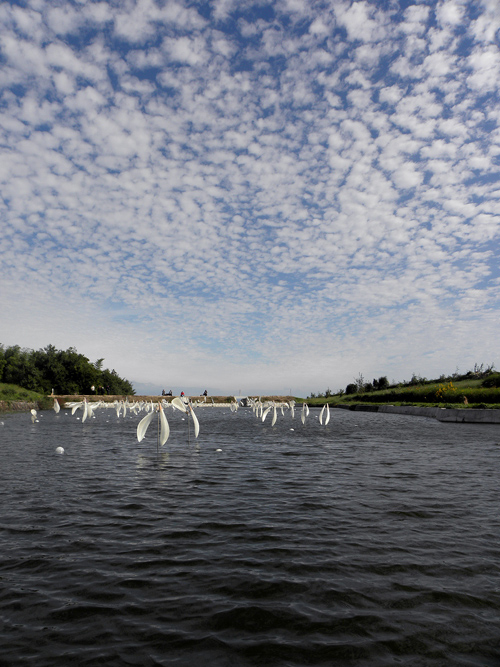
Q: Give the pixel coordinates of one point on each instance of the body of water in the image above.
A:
(372, 541)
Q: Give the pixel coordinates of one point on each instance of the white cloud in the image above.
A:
(450, 12)
(391, 94)
(185, 50)
(415, 19)
(360, 20)
(318, 27)
(63, 20)
(486, 25)
(485, 65)
(224, 196)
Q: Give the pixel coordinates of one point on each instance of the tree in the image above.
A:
(54, 374)
(381, 384)
(360, 382)
(114, 384)
(64, 371)
(416, 379)
(2, 361)
(19, 368)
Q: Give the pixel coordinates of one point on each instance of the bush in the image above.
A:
(381, 384)
(492, 381)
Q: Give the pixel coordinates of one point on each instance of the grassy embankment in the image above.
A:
(13, 398)
(434, 393)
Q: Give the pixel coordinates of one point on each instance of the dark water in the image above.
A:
(374, 541)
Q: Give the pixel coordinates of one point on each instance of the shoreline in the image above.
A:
(454, 415)
(62, 399)
(18, 406)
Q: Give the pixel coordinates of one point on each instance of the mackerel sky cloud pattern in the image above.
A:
(250, 195)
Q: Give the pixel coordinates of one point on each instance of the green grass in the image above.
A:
(436, 394)
(11, 393)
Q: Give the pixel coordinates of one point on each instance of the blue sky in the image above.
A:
(248, 196)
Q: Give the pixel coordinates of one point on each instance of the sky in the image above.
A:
(248, 196)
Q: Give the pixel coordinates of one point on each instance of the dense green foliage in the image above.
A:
(64, 371)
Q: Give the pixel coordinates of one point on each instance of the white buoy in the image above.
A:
(60, 450)
(218, 450)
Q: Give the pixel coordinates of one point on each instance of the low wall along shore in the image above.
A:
(17, 406)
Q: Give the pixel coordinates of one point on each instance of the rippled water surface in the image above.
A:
(372, 541)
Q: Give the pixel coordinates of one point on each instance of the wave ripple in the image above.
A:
(374, 541)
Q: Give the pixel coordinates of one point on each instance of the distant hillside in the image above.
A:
(477, 388)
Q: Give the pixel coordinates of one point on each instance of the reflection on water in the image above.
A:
(372, 541)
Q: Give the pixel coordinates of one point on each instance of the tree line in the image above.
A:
(64, 371)
(358, 386)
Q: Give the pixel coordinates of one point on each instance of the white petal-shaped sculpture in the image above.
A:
(321, 414)
(165, 428)
(142, 426)
(305, 412)
(195, 422)
(264, 414)
(179, 404)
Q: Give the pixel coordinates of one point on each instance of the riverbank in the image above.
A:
(38, 402)
(18, 406)
(457, 415)
(208, 400)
